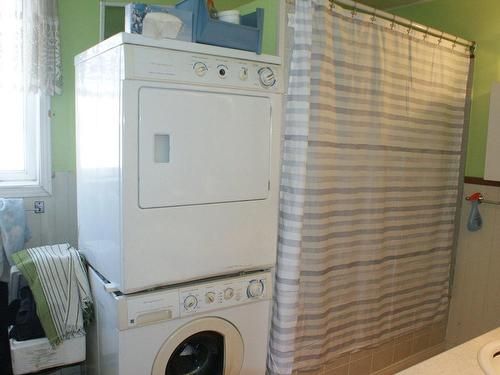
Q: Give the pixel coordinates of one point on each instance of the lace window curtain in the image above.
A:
(31, 59)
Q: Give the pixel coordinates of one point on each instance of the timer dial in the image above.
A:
(190, 303)
(267, 77)
(255, 289)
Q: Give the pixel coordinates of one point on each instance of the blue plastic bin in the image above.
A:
(246, 36)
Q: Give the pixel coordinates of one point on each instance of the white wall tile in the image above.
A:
(475, 303)
(59, 223)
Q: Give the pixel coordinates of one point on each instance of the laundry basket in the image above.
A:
(245, 36)
(36, 354)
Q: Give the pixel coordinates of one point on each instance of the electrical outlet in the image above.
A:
(39, 207)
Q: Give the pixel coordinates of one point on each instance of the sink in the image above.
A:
(489, 358)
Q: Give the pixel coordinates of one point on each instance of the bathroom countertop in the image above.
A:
(461, 359)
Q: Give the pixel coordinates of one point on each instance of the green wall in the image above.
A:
(79, 30)
(477, 20)
(388, 4)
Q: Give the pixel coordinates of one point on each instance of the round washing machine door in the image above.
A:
(206, 346)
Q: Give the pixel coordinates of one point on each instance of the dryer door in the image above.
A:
(201, 147)
(207, 346)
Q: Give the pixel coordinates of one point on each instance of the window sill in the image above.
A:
(26, 191)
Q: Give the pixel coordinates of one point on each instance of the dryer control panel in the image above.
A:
(172, 303)
(195, 68)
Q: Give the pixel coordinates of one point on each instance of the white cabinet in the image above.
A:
(492, 167)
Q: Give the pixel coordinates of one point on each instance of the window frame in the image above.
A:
(36, 180)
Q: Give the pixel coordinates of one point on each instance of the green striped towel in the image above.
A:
(59, 283)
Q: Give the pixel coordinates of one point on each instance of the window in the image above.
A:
(24, 128)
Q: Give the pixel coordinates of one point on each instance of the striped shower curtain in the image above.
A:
(372, 155)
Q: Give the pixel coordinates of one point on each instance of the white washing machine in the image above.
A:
(178, 160)
(218, 327)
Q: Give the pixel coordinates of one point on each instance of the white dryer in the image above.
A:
(219, 327)
(178, 160)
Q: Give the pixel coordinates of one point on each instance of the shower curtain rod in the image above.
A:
(356, 6)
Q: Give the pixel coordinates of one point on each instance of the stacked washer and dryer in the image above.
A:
(178, 190)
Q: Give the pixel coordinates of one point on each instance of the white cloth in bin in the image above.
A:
(161, 25)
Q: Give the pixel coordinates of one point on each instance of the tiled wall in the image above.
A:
(58, 224)
(390, 357)
(475, 302)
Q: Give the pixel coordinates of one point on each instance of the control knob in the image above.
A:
(210, 297)
(190, 303)
(222, 71)
(244, 73)
(228, 293)
(267, 77)
(255, 289)
(200, 69)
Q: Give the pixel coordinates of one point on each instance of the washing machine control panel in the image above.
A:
(224, 293)
(159, 305)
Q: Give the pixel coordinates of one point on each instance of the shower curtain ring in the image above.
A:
(426, 33)
(454, 43)
(393, 23)
(332, 4)
(355, 9)
(374, 15)
(410, 28)
(441, 38)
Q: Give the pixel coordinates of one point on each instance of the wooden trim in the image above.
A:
(480, 181)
